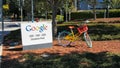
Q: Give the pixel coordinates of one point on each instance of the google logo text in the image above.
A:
(39, 28)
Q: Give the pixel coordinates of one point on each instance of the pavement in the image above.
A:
(8, 26)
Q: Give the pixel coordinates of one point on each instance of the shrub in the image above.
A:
(107, 37)
(59, 18)
(114, 13)
(81, 15)
(89, 14)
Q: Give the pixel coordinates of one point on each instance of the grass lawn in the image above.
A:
(97, 31)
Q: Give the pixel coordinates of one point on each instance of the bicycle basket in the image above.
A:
(82, 29)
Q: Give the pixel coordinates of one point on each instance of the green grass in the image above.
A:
(105, 31)
(97, 31)
(73, 60)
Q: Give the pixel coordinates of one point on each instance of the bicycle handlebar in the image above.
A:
(83, 22)
(86, 21)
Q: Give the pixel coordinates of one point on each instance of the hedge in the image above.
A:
(87, 14)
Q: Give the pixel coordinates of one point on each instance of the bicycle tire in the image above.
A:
(87, 39)
(61, 38)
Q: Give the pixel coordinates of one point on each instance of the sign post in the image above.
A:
(36, 35)
(32, 11)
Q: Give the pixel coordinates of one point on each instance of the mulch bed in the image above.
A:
(112, 46)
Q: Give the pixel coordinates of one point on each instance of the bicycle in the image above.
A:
(65, 38)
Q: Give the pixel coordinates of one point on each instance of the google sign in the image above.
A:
(39, 28)
(36, 35)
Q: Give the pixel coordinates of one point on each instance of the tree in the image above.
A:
(54, 4)
(13, 8)
(69, 7)
(42, 7)
(115, 4)
(93, 4)
(107, 6)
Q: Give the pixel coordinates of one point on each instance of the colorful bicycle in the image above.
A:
(65, 38)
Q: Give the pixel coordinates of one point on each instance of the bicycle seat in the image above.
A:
(71, 27)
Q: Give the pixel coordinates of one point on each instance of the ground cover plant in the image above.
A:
(73, 60)
(97, 31)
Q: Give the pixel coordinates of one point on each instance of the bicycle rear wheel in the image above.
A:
(87, 39)
(62, 40)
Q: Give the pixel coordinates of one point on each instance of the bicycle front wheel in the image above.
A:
(62, 40)
(87, 39)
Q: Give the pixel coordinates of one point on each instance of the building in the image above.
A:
(84, 5)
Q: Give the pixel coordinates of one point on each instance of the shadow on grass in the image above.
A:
(73, 60)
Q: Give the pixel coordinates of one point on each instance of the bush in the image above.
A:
(114, 13)
(59, 18)
(89, 14)
(97, 31)
(81, 15)
(106, 37)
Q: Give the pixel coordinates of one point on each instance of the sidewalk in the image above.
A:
(0, 53)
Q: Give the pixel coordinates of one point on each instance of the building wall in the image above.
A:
(85, 6)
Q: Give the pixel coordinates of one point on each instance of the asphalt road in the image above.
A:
(8, 26)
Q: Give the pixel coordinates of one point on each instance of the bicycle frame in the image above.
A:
(66, 38)
(72, 36)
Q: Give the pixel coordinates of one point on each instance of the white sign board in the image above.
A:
(36, 35)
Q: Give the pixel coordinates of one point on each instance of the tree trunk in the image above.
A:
(94, 12)
(54, 23)
(54, 5)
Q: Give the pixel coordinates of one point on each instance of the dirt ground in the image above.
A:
(112, 46)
